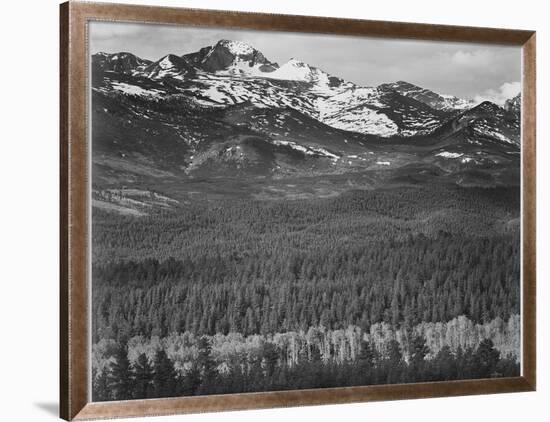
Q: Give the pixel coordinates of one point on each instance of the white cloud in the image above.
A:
(498, 96)
(473, 59)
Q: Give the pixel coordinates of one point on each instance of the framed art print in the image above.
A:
(264, 210)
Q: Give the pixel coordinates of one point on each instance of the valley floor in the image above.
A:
(397, 284)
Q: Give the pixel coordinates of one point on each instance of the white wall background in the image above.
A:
(29, 208)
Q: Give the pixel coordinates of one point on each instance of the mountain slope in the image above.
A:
(380, 112)
(487, 122)
(168, 66)
(120, 62)
(309, 90)
(513, 106)
(227, 114)
(430, 98)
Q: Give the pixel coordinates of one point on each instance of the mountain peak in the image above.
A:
(488, 106)
(122, 62)
(169, 65)
(402, 87)
(237, 48)
(513, 105)
(297, 63)
(513, 102)
(230, 55)
(170, 61)
(404, 84)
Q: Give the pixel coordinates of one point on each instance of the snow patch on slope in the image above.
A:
(135, 90)
(307, 149)
(446, 154)
(293, 70)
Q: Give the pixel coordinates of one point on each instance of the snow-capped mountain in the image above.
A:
(231, 72)
(434, 100)
(232, 58)
(226, 110)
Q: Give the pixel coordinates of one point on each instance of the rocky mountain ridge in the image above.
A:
(231, 72)
(226, 111)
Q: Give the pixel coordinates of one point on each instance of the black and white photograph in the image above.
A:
(279, 211)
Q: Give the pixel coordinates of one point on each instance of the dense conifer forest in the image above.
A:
(396, 258)
(158, 377)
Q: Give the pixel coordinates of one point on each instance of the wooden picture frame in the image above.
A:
(75, 196)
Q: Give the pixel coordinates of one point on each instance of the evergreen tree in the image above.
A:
(393, 352)
(206, 364)
(393, 368)
(190, 382)
(487, 358)
(418, 350)
(100, 386)
(120, 375)
(270, 356)
(164, 376)
(444, 365)
(367, 354)
(143, 376)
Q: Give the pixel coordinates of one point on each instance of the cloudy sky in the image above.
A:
(466, 70)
